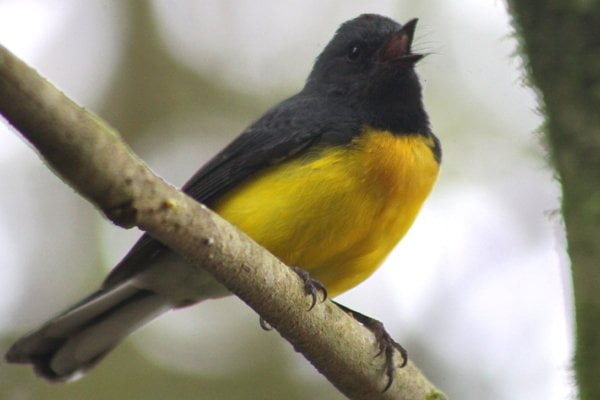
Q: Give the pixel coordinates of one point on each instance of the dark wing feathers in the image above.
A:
(255, 149)
(283, 132)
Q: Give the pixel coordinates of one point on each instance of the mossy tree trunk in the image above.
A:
(560, 43)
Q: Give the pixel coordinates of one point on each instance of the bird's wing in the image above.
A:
(282, 133)
(275, 138)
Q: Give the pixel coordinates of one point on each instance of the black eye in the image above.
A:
(354, 52)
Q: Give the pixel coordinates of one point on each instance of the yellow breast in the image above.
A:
(339, 211)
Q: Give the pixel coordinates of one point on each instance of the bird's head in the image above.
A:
(369, 63)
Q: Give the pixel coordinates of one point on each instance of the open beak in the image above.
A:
(397, 51)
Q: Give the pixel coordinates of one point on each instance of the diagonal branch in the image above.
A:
(92, 158)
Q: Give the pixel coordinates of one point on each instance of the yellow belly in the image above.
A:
(340, 213)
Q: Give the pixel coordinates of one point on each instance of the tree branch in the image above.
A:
(91, 157)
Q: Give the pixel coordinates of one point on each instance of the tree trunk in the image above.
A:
(560, 43)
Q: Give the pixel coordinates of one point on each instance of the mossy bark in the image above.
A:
(560, 43)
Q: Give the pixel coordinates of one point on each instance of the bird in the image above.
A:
(328, 180)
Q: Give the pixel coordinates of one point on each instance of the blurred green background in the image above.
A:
(478, 291)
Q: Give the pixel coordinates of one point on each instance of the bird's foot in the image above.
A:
(312, 286)
(387, 345)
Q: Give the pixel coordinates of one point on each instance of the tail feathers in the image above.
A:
(73, 342)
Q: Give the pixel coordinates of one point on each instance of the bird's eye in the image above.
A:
(354, 52)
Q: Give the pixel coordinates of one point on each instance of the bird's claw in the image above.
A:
(312, 286)
(386, 344)
(264, 324)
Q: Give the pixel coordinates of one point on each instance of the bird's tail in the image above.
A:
(71, 343)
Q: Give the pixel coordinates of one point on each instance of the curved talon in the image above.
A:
(312, 286)
(387, 345)
(264, 324)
